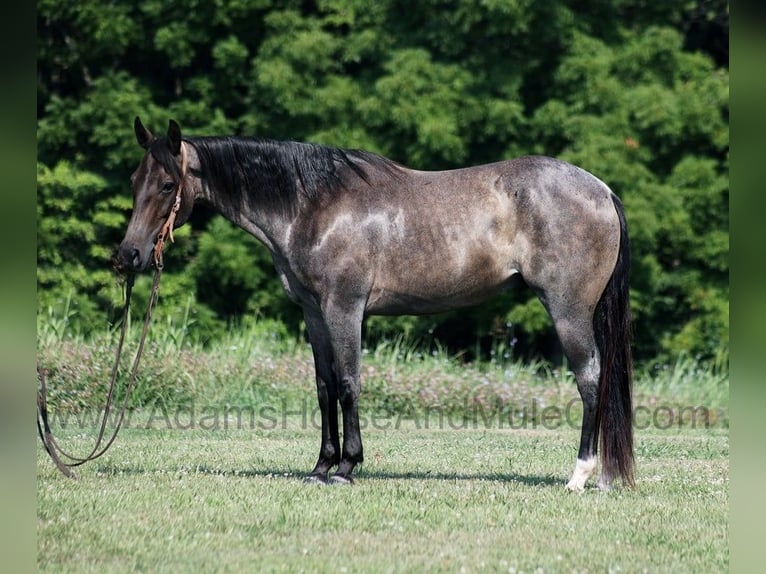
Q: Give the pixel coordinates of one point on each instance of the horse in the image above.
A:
(352, 233)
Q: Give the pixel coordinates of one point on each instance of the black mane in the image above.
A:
(263, 174)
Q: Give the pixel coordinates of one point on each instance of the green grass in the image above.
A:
(424, 500)
(465, 465)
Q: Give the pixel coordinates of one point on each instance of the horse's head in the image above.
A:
(159, 179)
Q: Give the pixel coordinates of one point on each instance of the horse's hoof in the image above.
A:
(315, 479)
(573, 486)
(340, 479)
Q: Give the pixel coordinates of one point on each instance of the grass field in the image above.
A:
(424, 500)
(464, 472)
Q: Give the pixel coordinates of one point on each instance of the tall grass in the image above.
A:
(257, 361)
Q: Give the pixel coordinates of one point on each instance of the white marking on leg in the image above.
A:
(582, 472)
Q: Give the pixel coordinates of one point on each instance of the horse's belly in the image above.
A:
(415, 297)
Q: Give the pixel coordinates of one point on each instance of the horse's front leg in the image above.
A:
(344, 322)
(327, 395)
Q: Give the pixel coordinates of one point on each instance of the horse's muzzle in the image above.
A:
(128, 259)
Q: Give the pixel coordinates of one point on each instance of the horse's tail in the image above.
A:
(612, 326)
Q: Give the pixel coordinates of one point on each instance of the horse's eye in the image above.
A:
(167, 187)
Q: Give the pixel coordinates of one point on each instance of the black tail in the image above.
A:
(612, 326)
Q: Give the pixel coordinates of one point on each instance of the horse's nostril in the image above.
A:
(128, 258)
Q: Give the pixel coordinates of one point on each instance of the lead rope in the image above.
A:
(52, 447)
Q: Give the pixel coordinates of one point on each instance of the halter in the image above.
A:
(167, 229)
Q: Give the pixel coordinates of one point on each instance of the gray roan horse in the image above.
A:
(352, 234)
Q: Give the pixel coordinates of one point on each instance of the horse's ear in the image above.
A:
(143, 135)
(174, 137)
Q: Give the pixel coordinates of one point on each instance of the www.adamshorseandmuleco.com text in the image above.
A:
(306, 414)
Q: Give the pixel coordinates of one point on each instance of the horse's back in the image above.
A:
(532, 215)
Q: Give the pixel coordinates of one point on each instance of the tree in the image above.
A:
(635, 92)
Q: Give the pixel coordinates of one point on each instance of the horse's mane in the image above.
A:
(264, 174)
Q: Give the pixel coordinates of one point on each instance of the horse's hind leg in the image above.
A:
(587, 376)
(574, 326)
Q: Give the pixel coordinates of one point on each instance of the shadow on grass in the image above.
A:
(529, 480)
(360, 476)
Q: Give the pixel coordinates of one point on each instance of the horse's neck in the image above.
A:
(271, 229)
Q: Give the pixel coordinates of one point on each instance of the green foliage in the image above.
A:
(73, 217)
(635, 92)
